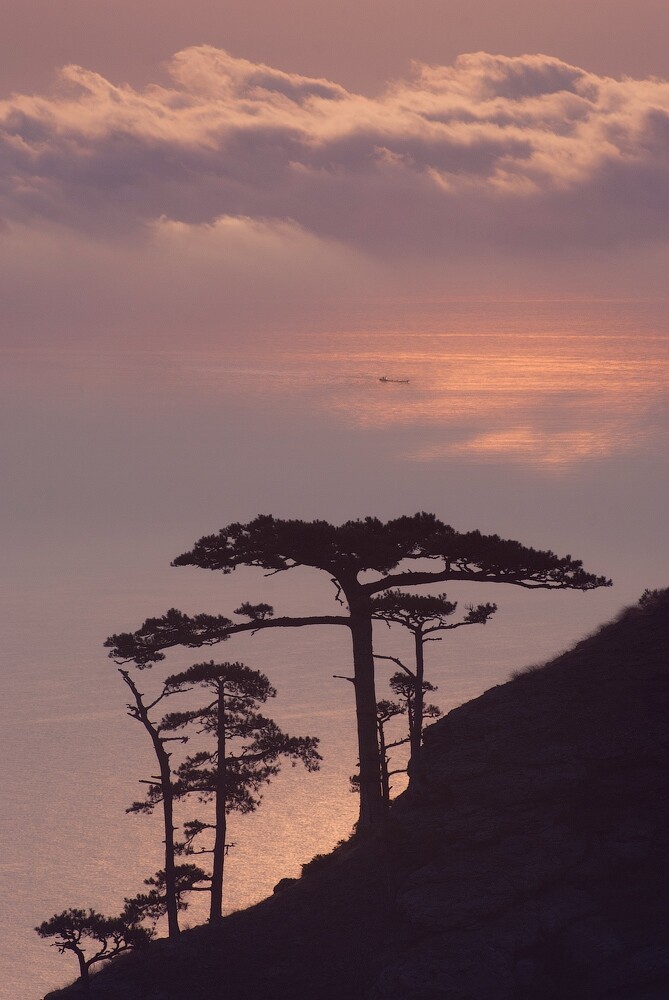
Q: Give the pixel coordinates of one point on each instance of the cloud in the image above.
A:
(505, 153)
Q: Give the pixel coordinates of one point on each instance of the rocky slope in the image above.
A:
(529, 862)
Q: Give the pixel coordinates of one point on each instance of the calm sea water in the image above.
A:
(542, 422)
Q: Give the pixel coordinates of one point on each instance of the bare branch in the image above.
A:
(380, 656)
(338, 597)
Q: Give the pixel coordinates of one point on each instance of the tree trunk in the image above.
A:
(170, 866)
(383, 762)
(216, 905)
(372, 810)
(83, 970)
(419, 698)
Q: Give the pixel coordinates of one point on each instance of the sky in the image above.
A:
(239, 168)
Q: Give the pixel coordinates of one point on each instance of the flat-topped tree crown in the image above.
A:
(366, 544)
(413, 607)
(347, 549)
(425, 613)
(241, 684)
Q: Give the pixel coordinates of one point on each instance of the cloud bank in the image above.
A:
(512, 153)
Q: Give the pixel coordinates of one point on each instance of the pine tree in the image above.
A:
(247, 751)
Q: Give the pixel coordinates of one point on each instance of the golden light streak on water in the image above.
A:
(547, 401)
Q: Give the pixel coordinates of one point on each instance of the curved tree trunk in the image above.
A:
(141, 713)
(83, 972)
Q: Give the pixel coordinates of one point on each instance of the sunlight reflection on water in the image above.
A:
(548, 399)
(545, 400)
(542, 400)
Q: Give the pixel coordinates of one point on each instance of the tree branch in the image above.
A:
(341, 677)
(528, 580)
(380, 656)
(145, 646)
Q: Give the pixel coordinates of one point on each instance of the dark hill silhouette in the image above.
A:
(530, 861)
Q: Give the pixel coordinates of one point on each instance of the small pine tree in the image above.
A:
(422, 615)
(76, 930)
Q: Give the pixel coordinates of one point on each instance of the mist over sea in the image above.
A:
(538, 421)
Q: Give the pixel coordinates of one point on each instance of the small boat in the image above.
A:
(399, 381)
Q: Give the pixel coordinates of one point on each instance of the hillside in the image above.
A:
(529, 862)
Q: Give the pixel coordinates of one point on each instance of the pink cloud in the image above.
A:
(493, 151)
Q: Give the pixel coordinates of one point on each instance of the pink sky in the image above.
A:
(266, 166)
(360, 43)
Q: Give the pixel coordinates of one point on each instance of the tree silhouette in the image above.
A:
(346, 553)
(247, 753)
(386, 710)
(422, 615)
(152, 905)
(160, 791)
(404, 687)
(76, 930)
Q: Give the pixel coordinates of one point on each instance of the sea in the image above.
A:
(542, 421)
